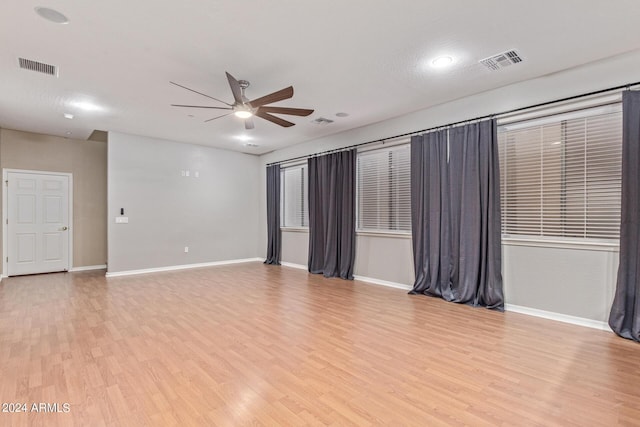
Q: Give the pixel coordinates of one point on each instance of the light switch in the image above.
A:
(122, 220)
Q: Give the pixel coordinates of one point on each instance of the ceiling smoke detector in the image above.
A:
(502, 60)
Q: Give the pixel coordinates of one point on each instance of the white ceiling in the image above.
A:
(369, 58)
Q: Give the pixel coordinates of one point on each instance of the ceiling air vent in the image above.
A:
(501, 60)
(40, 67)
(322, 121)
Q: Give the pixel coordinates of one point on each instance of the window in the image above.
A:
(293, 197)
(561, 175)
(384, 190)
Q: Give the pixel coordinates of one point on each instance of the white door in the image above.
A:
(37, 223)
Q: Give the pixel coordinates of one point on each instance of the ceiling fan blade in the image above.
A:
(285, 110)
(235, 88)
(200, 93)
(200, 106)
(248, 123)
(285, 93)
(218, 117)
(274, 119)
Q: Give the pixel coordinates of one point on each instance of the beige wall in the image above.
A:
(87, 161)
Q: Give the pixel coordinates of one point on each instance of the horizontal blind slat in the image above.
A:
(294, 203)
(384, 189)
(562, 178)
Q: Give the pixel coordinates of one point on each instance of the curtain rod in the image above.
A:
(488, 116)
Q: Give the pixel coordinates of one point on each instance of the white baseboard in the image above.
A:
(180, 267)
(383, 282)
(369, 280)
(292, 265)
(89, 268)
(559, 317)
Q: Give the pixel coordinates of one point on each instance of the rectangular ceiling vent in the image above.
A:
(322, 121)
(501, 60)
(40, 67)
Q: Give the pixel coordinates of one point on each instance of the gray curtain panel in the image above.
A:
(430, 226)
(625, 312)
(332, 214)
(476, 253)
(455, 204)
(274, 244)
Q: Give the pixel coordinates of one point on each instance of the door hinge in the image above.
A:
(7, 182)
(7, 259)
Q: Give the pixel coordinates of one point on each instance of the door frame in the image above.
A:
(5, 199)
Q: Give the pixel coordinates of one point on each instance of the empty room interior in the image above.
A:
(414, 213)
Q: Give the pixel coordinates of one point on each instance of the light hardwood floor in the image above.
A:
(252, 344)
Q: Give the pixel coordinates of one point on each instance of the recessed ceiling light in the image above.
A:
(86, 106)
(342, 114)
(51, 15)
(69, 133)
(244, 138)
(68, 116)
(442, 61)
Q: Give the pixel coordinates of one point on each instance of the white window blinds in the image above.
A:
(384, 190)
(294, 211)
(561, 175)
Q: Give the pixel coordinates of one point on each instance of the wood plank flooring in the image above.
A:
(251, 344)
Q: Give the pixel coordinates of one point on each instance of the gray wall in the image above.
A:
(295, 247)
(387, 258)
(384, 258)
(575, 282)
(87, 161)
(215, 215)
(564, 280)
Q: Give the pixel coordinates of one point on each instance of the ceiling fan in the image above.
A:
(244, 108)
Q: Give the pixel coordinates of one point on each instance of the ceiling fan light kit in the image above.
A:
(243, 114)
(245, 109)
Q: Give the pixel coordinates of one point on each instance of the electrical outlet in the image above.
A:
(186, 249)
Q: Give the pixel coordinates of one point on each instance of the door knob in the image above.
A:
(65, 228)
